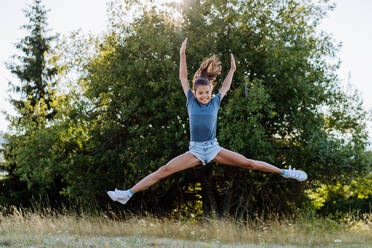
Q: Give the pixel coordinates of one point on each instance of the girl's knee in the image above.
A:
(251, 164)
(163, 171)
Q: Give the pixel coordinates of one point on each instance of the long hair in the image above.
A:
(209, 69)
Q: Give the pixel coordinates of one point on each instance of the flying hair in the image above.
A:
(209, 69)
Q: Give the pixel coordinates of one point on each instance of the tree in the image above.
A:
(128, 116)
(36, 68)
(30, 138)
(286, 106)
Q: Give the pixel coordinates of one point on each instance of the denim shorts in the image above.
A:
(205, 151)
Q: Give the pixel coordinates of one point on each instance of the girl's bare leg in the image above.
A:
(182, 162)
(232, 158)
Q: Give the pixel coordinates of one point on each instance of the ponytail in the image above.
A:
(210, 68)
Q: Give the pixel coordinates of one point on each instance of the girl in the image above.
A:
(204, 148)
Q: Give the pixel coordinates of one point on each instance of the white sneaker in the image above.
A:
(121, 196)
(299, 175)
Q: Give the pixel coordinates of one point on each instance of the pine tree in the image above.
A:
(35, 67)
(34, 98)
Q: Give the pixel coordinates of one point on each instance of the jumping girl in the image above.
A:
(204, 148)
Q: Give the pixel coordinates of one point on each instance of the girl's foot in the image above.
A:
(299, 175)
(121, 196)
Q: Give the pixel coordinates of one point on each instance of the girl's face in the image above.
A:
(203, 94)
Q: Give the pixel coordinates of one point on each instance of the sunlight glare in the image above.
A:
(169, 1)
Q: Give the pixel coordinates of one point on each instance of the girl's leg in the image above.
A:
(232, 158)
(182, 162)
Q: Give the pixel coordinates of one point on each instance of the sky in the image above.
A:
(350, 23)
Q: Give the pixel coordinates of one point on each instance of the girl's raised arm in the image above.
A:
(227, 82)
(183, 68)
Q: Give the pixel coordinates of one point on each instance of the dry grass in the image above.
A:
(152, 232)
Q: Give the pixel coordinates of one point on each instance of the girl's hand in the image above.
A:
(183, 47)
(233, 66)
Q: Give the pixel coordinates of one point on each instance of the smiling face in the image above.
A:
(203, 94)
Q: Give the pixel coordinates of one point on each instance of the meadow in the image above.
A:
(23, 228)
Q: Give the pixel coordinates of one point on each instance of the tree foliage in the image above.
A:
(127, 117)
(35, 68)
(33, 94)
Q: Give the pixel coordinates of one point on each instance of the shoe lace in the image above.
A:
(121, 194)
(293, 172)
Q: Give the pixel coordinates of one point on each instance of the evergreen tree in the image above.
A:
(35, 100)
(35, 68)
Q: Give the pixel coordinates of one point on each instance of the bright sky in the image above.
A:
(350, 24)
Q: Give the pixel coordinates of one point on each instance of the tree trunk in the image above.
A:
(211, 197)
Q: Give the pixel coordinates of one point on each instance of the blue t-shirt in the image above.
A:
(203, 117)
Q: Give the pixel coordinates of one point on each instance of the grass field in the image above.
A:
(48, 229)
